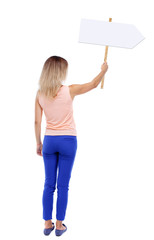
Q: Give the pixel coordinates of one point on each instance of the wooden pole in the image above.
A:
(105, 58)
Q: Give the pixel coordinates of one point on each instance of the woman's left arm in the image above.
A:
(38, 120)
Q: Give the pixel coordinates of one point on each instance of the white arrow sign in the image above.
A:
(109, 33)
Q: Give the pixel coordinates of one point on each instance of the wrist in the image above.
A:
(38, 144)
(103, 71)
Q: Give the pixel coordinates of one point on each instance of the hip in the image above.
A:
(64, 144)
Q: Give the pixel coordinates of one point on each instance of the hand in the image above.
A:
(39, 149)
(104, 67)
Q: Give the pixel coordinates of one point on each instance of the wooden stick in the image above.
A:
(105, 58)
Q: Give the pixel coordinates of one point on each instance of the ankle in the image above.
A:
(48, 222)
(58, 223)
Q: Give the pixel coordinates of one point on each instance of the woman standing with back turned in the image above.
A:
(60, 138)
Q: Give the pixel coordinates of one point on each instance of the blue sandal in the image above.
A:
(60, 232)
(47, 231)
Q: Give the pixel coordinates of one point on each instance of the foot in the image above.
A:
(61, 229)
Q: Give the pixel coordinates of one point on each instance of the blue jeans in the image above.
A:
(58, 154)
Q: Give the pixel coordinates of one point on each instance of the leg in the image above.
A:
(50, 164)
(65, 164)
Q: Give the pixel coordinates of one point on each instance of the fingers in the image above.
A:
(39, 153)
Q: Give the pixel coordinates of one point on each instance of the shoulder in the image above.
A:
(37, 95)
(38, 92)
(70, 87)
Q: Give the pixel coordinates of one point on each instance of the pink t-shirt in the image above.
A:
(59, 113)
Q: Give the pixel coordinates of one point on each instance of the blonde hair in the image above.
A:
(53, 73)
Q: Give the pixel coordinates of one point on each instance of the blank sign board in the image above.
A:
(109, 33)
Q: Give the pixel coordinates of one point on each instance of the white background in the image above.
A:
(111, 191)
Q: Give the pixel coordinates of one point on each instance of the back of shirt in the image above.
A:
(59, 113)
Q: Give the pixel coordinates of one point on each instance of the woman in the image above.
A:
(60, 138)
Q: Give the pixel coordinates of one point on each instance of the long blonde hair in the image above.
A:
(53, 73)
